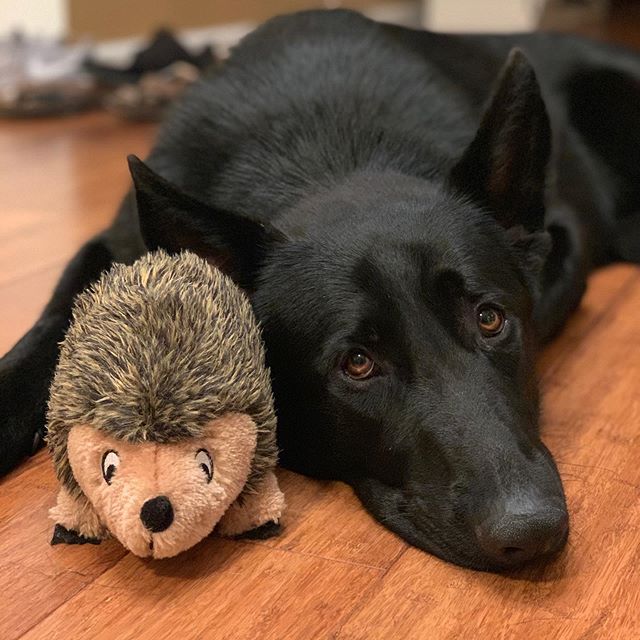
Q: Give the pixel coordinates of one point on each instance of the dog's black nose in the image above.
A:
(512, 539)
(157, 514)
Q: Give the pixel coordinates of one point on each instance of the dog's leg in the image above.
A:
(564, 281)
(603, 105)
(628, 238)
(258, 514)
(26, 370)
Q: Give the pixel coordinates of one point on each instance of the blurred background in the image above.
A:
(133, 57)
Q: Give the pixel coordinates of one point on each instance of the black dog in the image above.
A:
(410, 227)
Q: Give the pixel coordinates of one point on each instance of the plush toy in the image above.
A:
(161, 421)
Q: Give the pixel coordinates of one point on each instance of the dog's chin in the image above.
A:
(397, 511)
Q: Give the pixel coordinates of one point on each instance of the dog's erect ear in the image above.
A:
(172, 220)
(532, 249)
(504, 167)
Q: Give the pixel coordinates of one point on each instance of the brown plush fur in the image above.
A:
(155, 351)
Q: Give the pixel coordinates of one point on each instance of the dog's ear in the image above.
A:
(504, 167)
(173, 220)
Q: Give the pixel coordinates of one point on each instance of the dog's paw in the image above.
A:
(62, 535)
(263, 532)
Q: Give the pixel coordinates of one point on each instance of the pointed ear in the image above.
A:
(172, 220)
(532, 249)
(505, 165)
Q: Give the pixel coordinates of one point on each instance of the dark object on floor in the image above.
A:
(163, 51)
(158, 75)
(149, 99)
(41, 77)
(410, 223)
(50, 99)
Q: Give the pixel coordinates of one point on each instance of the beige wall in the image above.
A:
(104, 20)
(34, 17)
(482, 15)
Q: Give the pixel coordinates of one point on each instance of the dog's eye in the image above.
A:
(110, 462)
(206, 464)
(490, 320)
(358, 365)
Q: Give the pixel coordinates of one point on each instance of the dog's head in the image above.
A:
(399, 332)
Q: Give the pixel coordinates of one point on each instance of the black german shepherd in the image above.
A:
(412, 216)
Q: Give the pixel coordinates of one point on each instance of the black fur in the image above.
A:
(373, 187)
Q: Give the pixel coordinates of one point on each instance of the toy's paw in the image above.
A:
(267, 530)
(38, 439)
(62, 535)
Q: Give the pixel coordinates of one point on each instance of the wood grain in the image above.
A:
(219, 589)
(325, 519)
(334, 572)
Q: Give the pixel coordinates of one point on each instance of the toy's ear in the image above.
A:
(173, 220)
(504, 167)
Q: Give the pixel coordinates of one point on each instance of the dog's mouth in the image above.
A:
(413, 520)
(390, 506)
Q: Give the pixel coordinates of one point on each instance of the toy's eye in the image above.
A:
(206, 464)
(110, 462)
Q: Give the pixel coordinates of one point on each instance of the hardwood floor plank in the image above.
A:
(325, 519)
(22, 301)
(30, 596)
(61, 183)
(39, 577)
(25, 529)
(219, 589)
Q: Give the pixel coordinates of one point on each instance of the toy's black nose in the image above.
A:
(157, 514)
(515, 538)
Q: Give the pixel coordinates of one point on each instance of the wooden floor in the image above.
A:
(334, 573)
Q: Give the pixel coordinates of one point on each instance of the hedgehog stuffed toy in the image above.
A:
(161, 422)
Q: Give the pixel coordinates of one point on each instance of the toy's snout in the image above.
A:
(160, 499)
(157, 514)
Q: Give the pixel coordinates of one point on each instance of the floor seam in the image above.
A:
(366, 598)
